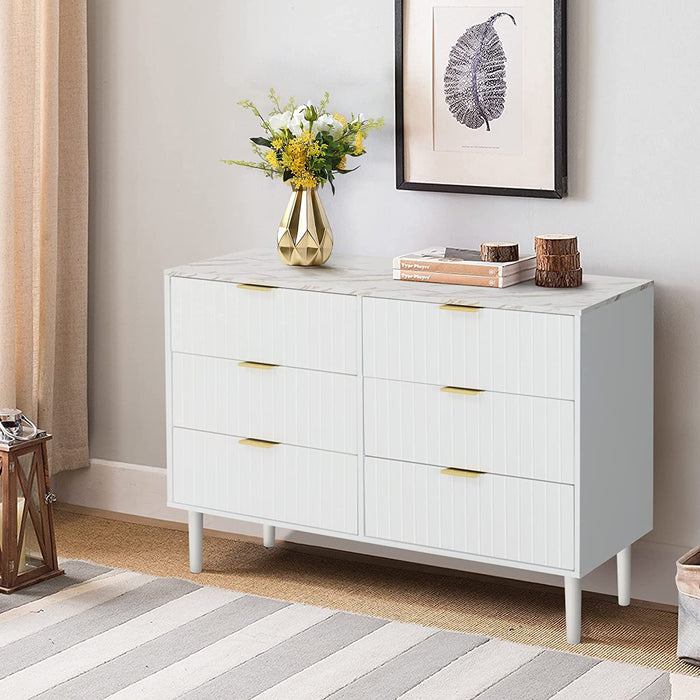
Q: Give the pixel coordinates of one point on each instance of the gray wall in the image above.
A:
(164, 79)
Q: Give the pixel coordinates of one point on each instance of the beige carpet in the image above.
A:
(493, 607)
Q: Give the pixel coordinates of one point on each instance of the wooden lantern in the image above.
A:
(27, 539)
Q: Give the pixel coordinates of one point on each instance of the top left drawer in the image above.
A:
(294, 328)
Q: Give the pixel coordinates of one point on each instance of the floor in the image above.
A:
(494, 607)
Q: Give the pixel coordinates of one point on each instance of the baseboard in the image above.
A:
(135, 490)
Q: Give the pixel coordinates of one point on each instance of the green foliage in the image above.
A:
(269, 172)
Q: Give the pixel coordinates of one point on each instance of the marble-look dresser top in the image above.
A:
(364, 276)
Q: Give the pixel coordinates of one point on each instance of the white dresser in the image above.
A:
(507, 426)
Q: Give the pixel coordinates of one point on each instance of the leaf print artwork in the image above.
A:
(475, 77)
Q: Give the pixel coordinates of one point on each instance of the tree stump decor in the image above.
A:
(499, 251)
(558, 261)
(27, 539)
(556, 244)
(570, 278)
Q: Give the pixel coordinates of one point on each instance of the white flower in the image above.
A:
(296, 124)
(278, 121)
(286, 120)
(326, 122)
(293, 121)
(300, 112)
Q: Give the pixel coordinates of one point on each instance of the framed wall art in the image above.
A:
(481, 96)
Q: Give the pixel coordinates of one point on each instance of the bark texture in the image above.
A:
(499, 251)
(556, 244)
(570, 278)
(559, 263)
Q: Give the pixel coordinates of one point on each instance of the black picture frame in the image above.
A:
(560, 175)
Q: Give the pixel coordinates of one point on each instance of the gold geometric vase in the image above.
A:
(305, 236)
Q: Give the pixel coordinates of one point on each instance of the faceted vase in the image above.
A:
(305, 236)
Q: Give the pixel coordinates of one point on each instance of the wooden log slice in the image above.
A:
(559, 263)
(570, 278)
(556, 244)
(499, 251)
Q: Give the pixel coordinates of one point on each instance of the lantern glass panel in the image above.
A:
(1, 518)
(28, 463)
(30, 525)
(30, 556)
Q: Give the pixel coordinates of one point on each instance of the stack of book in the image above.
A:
(456, 266)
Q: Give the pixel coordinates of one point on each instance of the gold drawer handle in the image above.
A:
(459, 390)
(459, 307)
(252, 442)
(453, 471)
(256, 365)
(255, 287)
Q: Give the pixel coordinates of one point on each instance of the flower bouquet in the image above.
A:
(306, 146)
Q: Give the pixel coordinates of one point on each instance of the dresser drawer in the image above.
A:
(508, 434)
(510, 351)
(281, 404)
(491, 516)
(289, 327)
(289, 484)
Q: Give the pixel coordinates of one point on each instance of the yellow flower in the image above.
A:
(277, 144)
(305, 180)
(343, 162)
(299, 153)
(359, 143)
(271, 158)
(341, 119)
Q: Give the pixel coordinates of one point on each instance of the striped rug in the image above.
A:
(99, 633)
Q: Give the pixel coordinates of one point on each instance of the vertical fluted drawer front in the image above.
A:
(492, 516)
(524, 436)
(282, 404)
(510, 351)
(289, 484)
(310, 330)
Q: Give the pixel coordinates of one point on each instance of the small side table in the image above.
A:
(27, 538)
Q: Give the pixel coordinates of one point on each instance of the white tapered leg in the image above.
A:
(572, 593)
(195, 522)
(624, 576)
(269, 536)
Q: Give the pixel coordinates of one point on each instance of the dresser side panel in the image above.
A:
(616, 427)
(168, 389)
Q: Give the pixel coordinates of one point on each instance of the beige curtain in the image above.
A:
(43, 219)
